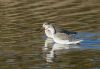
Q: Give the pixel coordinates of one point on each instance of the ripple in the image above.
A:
(20, 36)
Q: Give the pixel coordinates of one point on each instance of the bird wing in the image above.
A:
(59, 29)
(62, 36)
(69, 32)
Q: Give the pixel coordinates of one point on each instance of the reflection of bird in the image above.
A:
(55, 49)
(48, 41)
(59, 36)
(49, 34)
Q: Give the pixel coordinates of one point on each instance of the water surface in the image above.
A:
(21, 42)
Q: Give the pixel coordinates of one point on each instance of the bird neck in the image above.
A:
(53, 31)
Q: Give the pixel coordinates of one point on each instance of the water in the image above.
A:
(21, 43)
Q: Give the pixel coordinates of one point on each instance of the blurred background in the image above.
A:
(21, 39)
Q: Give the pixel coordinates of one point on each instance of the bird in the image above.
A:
(58, 29)
(60, 36)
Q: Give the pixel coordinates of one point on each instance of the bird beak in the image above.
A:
(41, 29)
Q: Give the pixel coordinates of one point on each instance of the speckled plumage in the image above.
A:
(61, 36)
